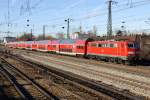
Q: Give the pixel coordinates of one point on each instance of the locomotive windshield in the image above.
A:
(133, 45)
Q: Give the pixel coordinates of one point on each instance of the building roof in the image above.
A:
(9, 39)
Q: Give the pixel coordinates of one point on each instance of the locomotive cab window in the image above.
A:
(130, 45)
(136, 45)
(133, 45)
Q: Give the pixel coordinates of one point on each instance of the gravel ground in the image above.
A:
(64, 91)
(136, 83)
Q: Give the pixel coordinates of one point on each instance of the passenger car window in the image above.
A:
(80, 47)
(93, 44)
(112, 45)
(99, 45)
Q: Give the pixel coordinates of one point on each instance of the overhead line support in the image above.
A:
(109, 23)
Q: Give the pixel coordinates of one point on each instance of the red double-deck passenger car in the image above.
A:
(42, 45)
(73, 47)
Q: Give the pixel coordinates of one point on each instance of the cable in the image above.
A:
(136, 4)
(118, 10)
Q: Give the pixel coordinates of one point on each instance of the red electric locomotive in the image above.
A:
(115, 51)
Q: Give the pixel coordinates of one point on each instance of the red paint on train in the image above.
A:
(108, 50)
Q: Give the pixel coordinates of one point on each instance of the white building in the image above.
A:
(77, 35)
(9, 39)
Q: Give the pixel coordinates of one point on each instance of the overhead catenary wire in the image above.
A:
(136, 4)
(94, 15)
(102, 14)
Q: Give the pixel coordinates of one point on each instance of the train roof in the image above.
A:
(72, 41)
(110, 41)
(55, 41)
(67, 41)
(43, 42)
(29, 42)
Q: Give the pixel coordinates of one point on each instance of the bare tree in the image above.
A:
(60, 36)
(26, 37)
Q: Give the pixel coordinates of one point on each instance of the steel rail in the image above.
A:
(39, 87)
(99, 87)
(12, 80)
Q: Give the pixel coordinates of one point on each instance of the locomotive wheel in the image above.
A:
(126, 62)
(118, 61)
(112, 60)
(106, 59)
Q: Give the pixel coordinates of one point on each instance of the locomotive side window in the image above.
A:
(112, 46)
(115, 45)
(99, 45)
(106, 45)
(103, 45)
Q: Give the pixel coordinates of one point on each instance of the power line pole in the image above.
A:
(80, 28)
(8, 16)
(68, 27)
(28, 9)
(43, 32)
(31, 35)
(130, 3)
(109, 24)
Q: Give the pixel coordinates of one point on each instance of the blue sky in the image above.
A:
(82, 12)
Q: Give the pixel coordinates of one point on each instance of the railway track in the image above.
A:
(99, 87)
(74, 91)
(7, 88)
(26, 87)
(137, 70)
(137, 84)
(87, 69)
